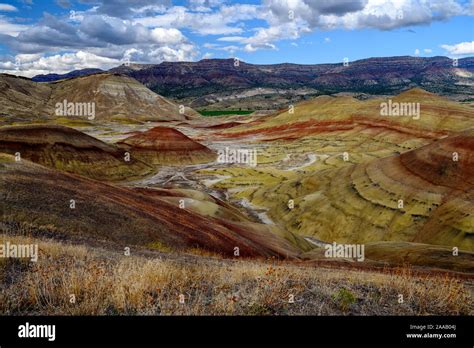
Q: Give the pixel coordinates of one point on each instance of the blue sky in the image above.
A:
(62, 35)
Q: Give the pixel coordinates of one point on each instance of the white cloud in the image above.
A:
(210, 45)
(167, 36)
(183, 53)
(264, 38)
(220, 22)
(31, 65)
(11, 29)
(155, 8)
(327, 39)
(232, 38)
(8, 8)
(127, 8)
(470, 9)
(254, 47)
(27, 58)
(358, 14)
(428, 50)
(387, 15)
(460, 49)
(231, 48)
(207, 55)
(106, 39)
(204, 5)
(292, 18)
(417, 52)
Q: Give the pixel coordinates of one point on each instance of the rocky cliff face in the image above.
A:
(374, 75)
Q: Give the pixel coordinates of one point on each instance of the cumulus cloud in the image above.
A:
(157, 54)
(470, 9)
(167, 36)
(8, 8)
(10, 29)
(387, 15)
(220, 22)
(30, 65)
(127, 8)
(232, 38)
(290, 30)
(89, 39)
(379, 14)
(99, 34)
(310, 10)
(264, 38)
(254, 47)
(113, 30)
(460, 49)
(289, 19)
(204, 5)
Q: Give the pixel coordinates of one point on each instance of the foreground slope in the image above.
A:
(108, 283)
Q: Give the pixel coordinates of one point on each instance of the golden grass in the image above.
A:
(109, 283)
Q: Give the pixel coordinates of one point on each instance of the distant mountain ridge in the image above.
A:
(56, 77)
(388, 75)
(226, 83)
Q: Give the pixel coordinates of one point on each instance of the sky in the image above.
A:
(58, 36)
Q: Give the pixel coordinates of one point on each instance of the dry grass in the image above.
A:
(109, 283)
